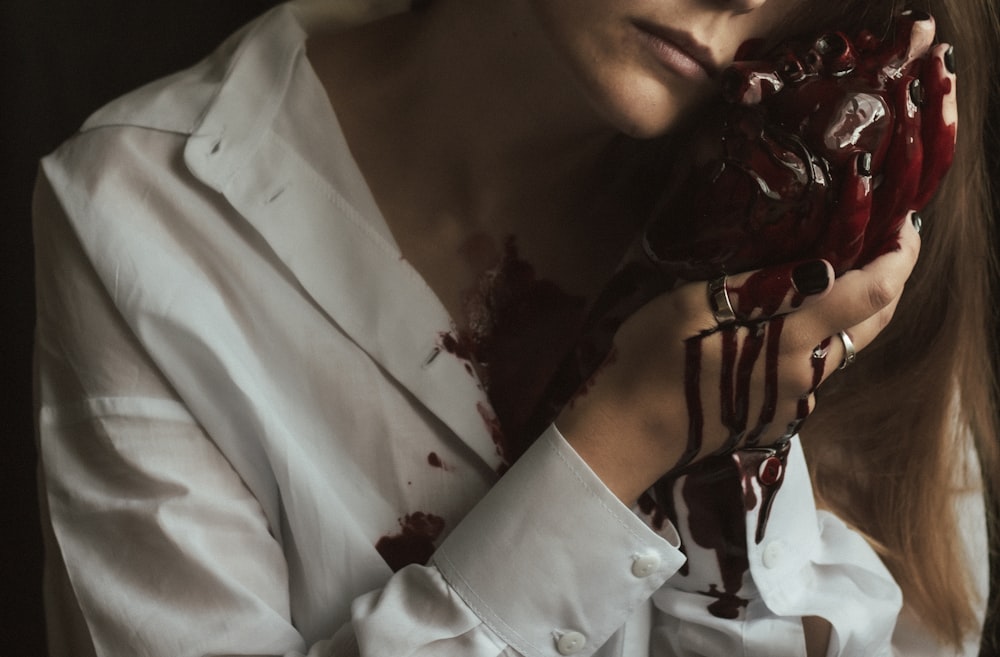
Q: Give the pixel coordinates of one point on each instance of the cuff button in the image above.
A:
(570, 643)
(645, 566)
(774, 554)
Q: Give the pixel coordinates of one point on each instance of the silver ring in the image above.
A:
(718, 301)
(850, 353)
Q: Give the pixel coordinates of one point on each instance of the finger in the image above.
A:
(940, 122)
(860, 293)
(780, 289)
(849, 222)
(859, 337)
(916, 29)
(757, 295)
(903, 165)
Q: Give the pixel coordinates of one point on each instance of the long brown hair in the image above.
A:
(886, 439)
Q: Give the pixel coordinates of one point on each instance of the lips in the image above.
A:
(674, 47)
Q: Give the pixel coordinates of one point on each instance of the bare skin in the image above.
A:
(482, 119)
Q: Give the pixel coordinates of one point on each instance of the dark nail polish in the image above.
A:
(918, 221)
(916, 14)
(832, 44)
(865, 164)
(811, 277)
(949, 59)
(917, 93)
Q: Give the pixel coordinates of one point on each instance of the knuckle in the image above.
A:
(881, 290)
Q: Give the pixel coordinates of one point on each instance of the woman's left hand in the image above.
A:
(680, 386)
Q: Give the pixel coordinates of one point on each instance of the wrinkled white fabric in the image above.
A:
(241, 387)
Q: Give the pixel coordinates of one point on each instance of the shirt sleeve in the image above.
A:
(157, 546)
(775, 559)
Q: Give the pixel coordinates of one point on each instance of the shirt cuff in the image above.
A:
(550, 559)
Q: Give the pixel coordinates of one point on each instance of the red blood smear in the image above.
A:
(939, 147)
(748, 463)
(518, 329)
(692, 393)
(414, 544)
(717, 521)
(769, 404)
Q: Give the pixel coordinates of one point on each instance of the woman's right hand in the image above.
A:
(678, 386)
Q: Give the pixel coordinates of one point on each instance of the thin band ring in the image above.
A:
(718, 301)
(850, 353)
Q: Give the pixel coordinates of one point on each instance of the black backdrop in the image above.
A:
(60, 60)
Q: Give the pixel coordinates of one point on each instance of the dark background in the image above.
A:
(60, 60)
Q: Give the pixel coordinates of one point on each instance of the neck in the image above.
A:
(464, 107)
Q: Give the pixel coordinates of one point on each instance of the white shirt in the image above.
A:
(244, 411)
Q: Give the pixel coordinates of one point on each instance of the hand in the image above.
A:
(822, 152)
(678, 386)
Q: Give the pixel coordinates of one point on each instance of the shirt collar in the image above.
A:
(332, 245)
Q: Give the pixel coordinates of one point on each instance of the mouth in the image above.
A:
(678, 51)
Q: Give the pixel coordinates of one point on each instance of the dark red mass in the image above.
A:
(824, 147)
(414, 544)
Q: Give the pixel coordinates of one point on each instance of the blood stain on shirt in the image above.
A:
(414, 544)
(516, 329)
(435, 461)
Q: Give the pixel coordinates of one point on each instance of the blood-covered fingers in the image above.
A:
(858, 308)
(753, 296)
(779, 290)
(904, 159)
(939, 129)
(916, 29)
(866, 292)
(845, 235)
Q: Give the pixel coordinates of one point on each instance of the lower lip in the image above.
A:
(673, 58)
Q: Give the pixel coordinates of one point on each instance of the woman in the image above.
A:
(298, 304)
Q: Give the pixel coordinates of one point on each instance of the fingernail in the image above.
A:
(865, 164)
(917, 93)
(917, 14)
(832, 44)
(811, 277)
(918, 221)
(949, 59)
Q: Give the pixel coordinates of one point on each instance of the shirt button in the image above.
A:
(645, 566)
(774, 554)
(570, 643)
(770, 471)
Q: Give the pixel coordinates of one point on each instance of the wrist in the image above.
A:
(626, 454)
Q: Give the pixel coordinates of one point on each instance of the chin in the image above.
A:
(650, 109)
